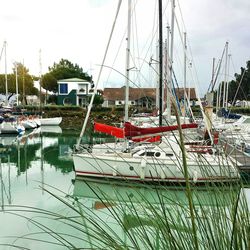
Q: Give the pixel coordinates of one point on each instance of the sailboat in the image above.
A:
(148, 162)
(44, 121)
(8, 123)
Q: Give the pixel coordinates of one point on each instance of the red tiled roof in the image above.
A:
(134, 93)
(113, 94)
(180, 93)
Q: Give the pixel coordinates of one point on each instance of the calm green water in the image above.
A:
(42, 160)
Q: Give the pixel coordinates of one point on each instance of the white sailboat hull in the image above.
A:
(51, 121)
(29, 124)
(11, 128)
(141, 169)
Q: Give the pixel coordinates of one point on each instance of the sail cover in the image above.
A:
(133, 131)
(110, 130)
(129, 131)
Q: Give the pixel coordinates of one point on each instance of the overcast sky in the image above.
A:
(78, 30)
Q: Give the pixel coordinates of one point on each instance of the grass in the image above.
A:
(115, 215)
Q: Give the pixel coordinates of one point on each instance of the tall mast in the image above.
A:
(17, 100)
(225, 79)
(127, 62)
(185, 74)
(23, 85)
(229, 56)
(171, 61)
(160, 63)
(6, 80)
(40, 80)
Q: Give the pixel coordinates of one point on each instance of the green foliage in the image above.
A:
(244, 88)
(25, 81)
(240, 110)
(59, 107)
(49, 82)
(102, 109)
(119, 108)
(98, 100)
(63, 70)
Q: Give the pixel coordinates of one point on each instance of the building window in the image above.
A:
(82, 90)
(63, 88)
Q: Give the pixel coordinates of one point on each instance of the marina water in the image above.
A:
(38, 166)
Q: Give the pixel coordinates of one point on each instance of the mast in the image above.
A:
(23, 85)
(225, 79)
(160, 63)
(17, 101)
(229, 56)
(98, 79)
(185, 74)
(6, 80)
(171, 62)
(127, 62)
(40, 81)
(213, 72)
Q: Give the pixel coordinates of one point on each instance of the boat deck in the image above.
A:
(240, 157)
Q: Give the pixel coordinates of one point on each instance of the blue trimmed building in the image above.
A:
(74, 91)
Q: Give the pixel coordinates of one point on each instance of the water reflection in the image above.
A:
(32, 154)
(144, 216)
(44, 144)
(124, 213)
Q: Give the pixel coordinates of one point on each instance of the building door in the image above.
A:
(82, 102)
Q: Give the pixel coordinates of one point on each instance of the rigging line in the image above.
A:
(215, 70)
(116, 55)
(195, 79)
(106, 66)
(238, 87)
(233, 64)
(235, 71)
(154, 31)
(2, 50)
(219, 68)
(136, 85)
(134, 44)
(148, 50)
(119, 49)
(99, 76)
(182, 19)
(188, 45)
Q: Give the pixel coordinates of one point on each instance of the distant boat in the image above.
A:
(10, 125)
(53, 121)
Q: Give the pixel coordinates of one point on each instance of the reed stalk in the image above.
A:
(185, 169)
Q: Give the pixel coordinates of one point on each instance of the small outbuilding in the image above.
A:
(74, 91)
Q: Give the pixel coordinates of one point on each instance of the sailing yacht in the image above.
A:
(158, 163)
(147, 162)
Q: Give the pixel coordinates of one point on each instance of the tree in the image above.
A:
(242, 83)
(25, 81)
(49, 82)
(98, 100)
(63, 70)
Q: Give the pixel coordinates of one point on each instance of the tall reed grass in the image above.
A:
(115, 215)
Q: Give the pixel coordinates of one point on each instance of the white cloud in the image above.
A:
(78, 30)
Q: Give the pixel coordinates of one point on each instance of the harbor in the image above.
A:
(124, 125)
(30, 164)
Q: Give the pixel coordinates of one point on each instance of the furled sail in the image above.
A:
(110, 130)
(133, 131)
